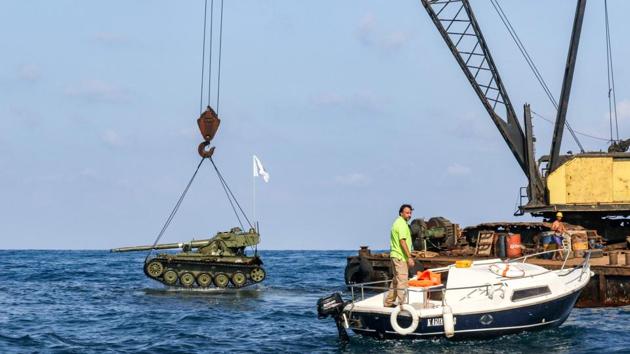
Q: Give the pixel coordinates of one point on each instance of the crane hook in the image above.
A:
(208, 124)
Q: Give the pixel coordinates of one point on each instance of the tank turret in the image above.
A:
(230, 243)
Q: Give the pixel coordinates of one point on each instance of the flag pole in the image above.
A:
(254, 187)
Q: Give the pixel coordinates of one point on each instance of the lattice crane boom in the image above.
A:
(456, 23)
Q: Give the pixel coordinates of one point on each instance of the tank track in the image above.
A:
(203, 274)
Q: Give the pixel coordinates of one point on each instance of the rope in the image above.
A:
(175, 209)
(203, 55)
(577, 132)
(229, 193)
(220, 52)
(612, 96)
(531, 64)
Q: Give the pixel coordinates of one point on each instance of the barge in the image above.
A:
(610, 263)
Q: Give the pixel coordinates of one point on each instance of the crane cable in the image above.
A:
(220, 55)
(523, 50)
(532, 65)
(174, 211)
(210, 55)
(231, 196)
(226, 188)
(612, 96)
(224, 184)
(228, 192)
(208, 39)
(577, 132)
(203, 54)
(232, 199)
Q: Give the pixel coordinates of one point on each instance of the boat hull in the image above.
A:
(467, 326)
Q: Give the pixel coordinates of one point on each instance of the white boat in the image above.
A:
(485, 298)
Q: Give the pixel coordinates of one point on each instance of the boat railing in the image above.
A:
(360, 289)
(582, 266)
(524, 258)
(371, 286)
(587, 258)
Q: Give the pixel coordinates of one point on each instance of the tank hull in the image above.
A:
(196, 271)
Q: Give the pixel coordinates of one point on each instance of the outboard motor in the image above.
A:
(333, 306)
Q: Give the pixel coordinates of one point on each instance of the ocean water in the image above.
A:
(100, 302)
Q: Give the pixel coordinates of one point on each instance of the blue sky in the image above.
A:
(354, 107)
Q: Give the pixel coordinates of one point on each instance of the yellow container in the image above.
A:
(464, 263)
(580, 246)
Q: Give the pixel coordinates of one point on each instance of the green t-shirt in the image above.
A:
(400, 230)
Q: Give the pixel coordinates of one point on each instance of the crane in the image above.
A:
(592, 189)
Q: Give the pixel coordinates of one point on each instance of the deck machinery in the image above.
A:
(591, 189)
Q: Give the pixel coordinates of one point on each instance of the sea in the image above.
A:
(101, 302)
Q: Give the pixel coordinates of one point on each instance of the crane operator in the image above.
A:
(559, 230)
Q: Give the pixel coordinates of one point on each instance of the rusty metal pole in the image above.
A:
(566, 86)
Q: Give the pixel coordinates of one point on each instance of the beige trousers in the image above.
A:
(399, 283)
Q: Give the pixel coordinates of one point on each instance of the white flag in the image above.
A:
(259, 170)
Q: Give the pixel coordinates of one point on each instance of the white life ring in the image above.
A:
(393, 319)
(507, 270)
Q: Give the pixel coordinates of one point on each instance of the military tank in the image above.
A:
(220, 261)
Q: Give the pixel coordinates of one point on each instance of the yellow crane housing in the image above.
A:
(591, 179)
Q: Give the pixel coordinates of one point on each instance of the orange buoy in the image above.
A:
(426, 279)
(421, 283)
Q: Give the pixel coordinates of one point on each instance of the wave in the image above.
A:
(94, 302)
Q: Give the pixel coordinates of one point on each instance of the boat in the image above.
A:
(466, 300)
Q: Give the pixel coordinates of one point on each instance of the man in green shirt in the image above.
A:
(400, 255)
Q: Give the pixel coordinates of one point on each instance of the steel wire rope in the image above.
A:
(230, 200)
(220, 55)
(228, 191)
(210, 54)
(203, 55)
(608, 72)
(175, 209)
(577, 132)
(524, 52)
(531, 64)
(612, 93)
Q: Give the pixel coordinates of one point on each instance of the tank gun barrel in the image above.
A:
(163, 246)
